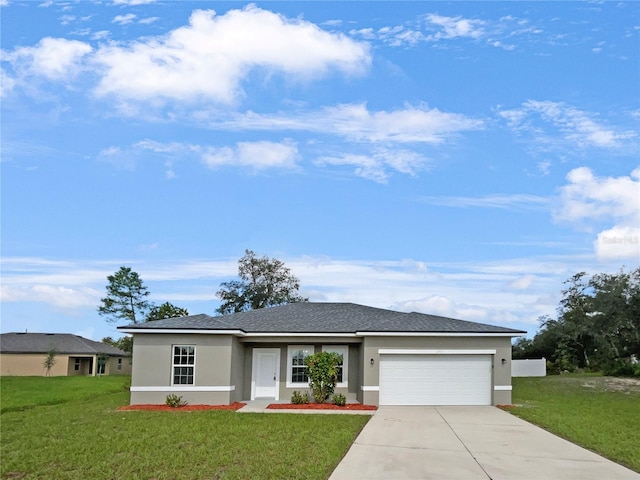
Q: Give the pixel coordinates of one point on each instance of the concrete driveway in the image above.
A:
(467, 443)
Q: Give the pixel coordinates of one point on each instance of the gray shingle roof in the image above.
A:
(61, 342)
(312, 317)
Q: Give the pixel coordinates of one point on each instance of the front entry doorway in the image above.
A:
(265, 376)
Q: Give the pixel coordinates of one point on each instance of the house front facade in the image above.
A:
(388, 357)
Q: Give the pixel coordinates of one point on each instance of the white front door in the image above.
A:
(265, 373)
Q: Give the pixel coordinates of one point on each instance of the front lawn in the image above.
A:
(22, 393)
(599, 413)
(86, 437)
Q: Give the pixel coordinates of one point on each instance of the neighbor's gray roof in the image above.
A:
(310, 317)
(60, 342)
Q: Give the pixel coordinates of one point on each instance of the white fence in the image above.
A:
(529, 368)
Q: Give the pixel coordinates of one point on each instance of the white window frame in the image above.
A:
(174, 365)
(290, 350)
(119, 364)
(344, 351)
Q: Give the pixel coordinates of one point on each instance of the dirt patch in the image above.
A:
(320, 406)
(612, 384)
(186, 408)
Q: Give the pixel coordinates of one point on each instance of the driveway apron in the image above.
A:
(467, 443)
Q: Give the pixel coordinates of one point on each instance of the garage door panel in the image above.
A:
(435, 380)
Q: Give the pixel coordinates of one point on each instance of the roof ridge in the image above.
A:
(84, 342)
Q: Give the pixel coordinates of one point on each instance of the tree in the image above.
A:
(50, 361)
(264, 282)
(598, 325)
(123, 343)
(126, 297)
(166, 310)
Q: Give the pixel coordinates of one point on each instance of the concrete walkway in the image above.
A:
(467, 443)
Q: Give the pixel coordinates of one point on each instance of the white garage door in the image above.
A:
(435, 380)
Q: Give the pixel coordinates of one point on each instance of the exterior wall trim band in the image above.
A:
(184, 388)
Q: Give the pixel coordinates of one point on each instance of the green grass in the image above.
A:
(22, 393)
(599, 413)
(83, 436)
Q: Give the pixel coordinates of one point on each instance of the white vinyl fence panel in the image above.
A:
(529, 368)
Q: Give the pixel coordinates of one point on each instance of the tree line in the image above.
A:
(264, 282)
(597, 326)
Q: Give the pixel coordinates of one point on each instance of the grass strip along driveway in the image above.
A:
(595, 412)
(82, 436)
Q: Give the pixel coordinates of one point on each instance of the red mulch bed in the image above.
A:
(186, 408)
(319, 406)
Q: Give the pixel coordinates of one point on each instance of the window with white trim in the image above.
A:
(343, 369)
(296, 369)
(119, 364)
(184, 360)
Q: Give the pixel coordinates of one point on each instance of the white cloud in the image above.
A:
(376, 166)
(124, 19)
(572, 125)
(511, 291)
(522, 283)
(453, 27)
(412, 124)
(52, 58)
(587, 197)
(60, 297)
(615, 201)
(132, 2)
(148, 20)
(518, 201)
(209, 58)
(434, 28)
(619, 243)
(445, 307)
(544, 167)
(256, 155)
(6, 83)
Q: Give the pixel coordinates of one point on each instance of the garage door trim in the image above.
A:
(437, 381)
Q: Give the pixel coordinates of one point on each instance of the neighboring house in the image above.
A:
(25, 353)
(389, 358)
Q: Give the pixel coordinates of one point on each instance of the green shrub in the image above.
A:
(322, 369)
(620, 368)
(175, 401)
(339, 399)
(298, 398)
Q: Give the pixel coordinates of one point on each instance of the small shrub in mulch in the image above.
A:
(320, 406)
(185, 408)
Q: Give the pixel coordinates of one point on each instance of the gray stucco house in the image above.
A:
(389, 357)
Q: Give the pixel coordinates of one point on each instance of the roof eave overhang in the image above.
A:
(242, 333)
(439, 334)
(199, 331)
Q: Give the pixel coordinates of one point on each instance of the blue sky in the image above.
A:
(460, 159)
